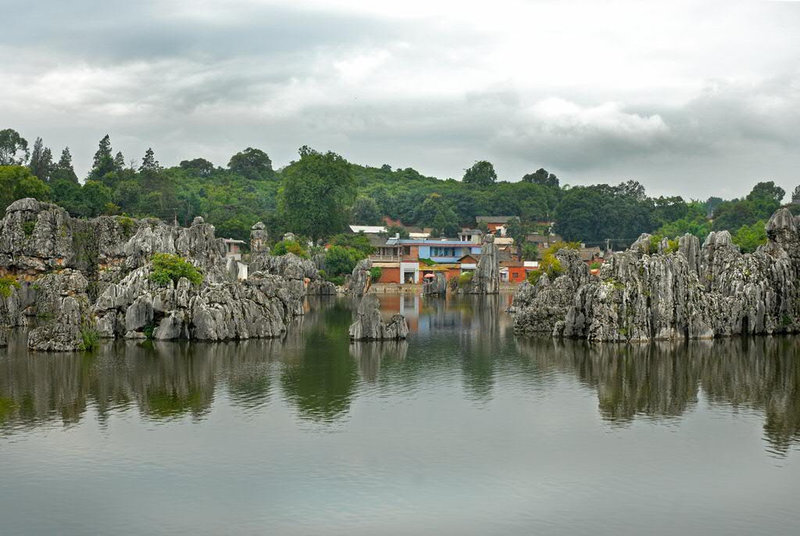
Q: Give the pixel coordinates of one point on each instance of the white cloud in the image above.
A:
(596, 90)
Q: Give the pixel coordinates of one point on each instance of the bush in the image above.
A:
(28, 227)
(549, 265)
(358, 241)
(340, 261)
(128, 225)
(168, 267)
(749, 237)
(289, 246)
(90, 339)
(337, 280)
(375, 273)
(465, 279)
(7, 282)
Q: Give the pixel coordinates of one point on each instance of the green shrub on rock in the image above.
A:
(7, 282)
(168, 267)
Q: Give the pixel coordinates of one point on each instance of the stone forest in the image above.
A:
(71, 280)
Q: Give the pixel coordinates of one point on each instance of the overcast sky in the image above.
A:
(694, 98)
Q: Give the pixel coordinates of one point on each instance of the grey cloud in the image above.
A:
(115, 31)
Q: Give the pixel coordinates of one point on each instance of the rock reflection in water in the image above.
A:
(318, 372)
(664, 380)
(370, 355)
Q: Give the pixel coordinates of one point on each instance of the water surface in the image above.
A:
(463, 429)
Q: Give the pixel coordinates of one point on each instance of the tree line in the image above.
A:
(319, 193)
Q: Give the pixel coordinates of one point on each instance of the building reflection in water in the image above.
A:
(318, 371)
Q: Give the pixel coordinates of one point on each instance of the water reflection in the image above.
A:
(322, 383)
(318, 372)
(664, 380)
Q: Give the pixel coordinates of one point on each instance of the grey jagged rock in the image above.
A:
(77, 275)
(137, 307)
(302, 273)
(61, 305)
(359, 281)
(435, 286)
(683, 292)
(486, 278)
(369, 326)
(259, 237)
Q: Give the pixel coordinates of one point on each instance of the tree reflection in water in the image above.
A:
(318, 371)
(663, 380)
(322, 382)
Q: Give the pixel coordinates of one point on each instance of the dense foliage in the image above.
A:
(168, 267)
(317, 195)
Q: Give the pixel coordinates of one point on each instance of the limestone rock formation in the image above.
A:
(259, 238)
(360, 280)
(486, 278)
(369, 326)
(74, 276)
(435, 286)
(137, 307)
(681, 291)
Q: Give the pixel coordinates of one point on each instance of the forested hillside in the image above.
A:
(319, 193)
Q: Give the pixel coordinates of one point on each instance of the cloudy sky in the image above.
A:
(694, 98)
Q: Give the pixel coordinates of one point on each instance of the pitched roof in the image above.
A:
(368, 229)
(495, 219)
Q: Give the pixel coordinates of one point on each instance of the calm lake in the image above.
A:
(463, 429)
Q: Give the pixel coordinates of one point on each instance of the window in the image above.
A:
(442, 252)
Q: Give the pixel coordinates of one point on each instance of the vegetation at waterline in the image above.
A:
(171, 268)
(316, 195)
(90, 339)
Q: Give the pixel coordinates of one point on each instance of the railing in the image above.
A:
(384, 258)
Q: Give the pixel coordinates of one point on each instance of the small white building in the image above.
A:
(233, 248)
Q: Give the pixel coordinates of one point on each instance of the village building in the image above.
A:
(471, 235)
(497, 225)
(410, 260)
(233, 248)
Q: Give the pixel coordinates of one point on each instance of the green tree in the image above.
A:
(340, 260)
(436, 213)
(16, 182)
(119, 162)
(731, 215)
(315, 194)
(530, 252)
(541, 176)
(199, 167)
(41, 161)
(96, 198)
(359, 242)
(481, 173)
(103, 163)
(395, 230)
(365, 211)
(253, 164)
(149, 163)
(63, 169)
(749, 237)
(13, 148)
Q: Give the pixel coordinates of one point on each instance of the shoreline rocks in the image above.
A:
(680, 291)
(77, 276)
(369, 326)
